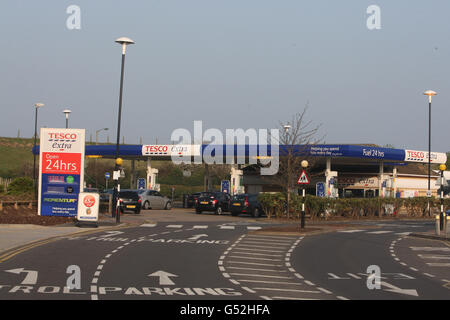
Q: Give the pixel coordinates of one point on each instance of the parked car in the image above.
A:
(192, 198)
(129, 201)
(213, 201)
(152, 199)
(104, 196)
(246, 203)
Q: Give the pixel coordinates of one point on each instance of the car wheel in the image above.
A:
(146, 205)
(256, 213)
(168, 206)
(219, 210)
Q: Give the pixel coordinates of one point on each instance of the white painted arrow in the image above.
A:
(31, 277)
(198, 236)
(163, 277)
(409, 292)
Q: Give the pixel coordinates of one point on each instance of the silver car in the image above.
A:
(152, 199)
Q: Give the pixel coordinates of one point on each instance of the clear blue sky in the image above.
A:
(232, 64)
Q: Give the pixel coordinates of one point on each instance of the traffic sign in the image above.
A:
(303, 178)
(225, 186)
(320, 189)
(107, 175)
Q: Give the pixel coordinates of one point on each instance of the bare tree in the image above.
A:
(296, 138)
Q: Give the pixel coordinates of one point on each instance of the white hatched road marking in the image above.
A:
(380, 232)
(436, 264)
(227, 227)
(445, 249)
(149, 225)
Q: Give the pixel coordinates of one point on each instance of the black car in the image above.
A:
(129, 201)
(217, 202)
(246, 203)
(192, 198)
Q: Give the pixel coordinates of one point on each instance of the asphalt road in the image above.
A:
(207, 257)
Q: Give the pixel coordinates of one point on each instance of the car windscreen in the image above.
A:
(238, 197)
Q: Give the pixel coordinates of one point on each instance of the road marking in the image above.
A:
(445, 249)
(403, 233)
(253, 228)
(30, 278)
(392, 288)
(324, 290)
(282, 238)
(429, 275)
(350, 231)
(291, 298)
(342, 298)
(257, 269)
(252, 248)
(174, 226)
(256, 264)
(289, 290)
(164, 277)
(429, 256)
(248, 289)
(271, 282)
(148, 225)
(436, 264)
(256, 254)
(309, 283)
(200, 227)
(271, 243)
(298, 275)
(227, 227)
(354, 276)
(259, 275)
(379, 232)
(254, 258)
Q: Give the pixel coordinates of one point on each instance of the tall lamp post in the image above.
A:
(67, 112)
(287, 141)
(36, 107)
(124, 41)
(430, 94)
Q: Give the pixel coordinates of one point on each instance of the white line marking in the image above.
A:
(324, 290)
(341, 298)
(248, 248)
(234, 282)
(148, 225)
(256, 264)
(290, 290)
(256, 269)
(298, 275)
(271, 282)
(265, 298)
(257, 254)
(227, 227)
(439, 264)
(350, 231)
(174, 226)
(248, 289)
(259, 275)
(309, 283)
(380, 232)
(291, 298)
(254, 258)
(253, 228)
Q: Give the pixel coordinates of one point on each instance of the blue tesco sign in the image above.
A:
(225, 186)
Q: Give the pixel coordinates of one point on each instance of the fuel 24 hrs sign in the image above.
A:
(61, 171)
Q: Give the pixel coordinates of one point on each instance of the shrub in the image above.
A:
(20, 186)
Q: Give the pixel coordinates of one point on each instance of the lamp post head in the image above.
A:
(286, 127)
(124, 41)
(67, 112)
(430, 94)
(38, 105)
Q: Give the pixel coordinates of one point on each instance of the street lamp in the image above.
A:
(304, 164)
(36, 107)
(124, 41)
(430, 94)
(67, 112)
(287, 140)
(96, 134)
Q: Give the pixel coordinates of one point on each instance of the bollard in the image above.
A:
(438, 227)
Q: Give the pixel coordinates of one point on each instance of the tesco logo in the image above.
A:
(416, 154)
(156, 148)
(66, 136)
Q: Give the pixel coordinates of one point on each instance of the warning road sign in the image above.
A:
(303, 178)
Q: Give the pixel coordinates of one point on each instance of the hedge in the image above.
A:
(274, 205)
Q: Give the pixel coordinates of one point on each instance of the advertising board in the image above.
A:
(61, 171)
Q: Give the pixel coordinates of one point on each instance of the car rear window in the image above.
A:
(128, 195)
(239, 197)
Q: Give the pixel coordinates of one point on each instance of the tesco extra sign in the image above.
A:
(422, 156)
(161, 148)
